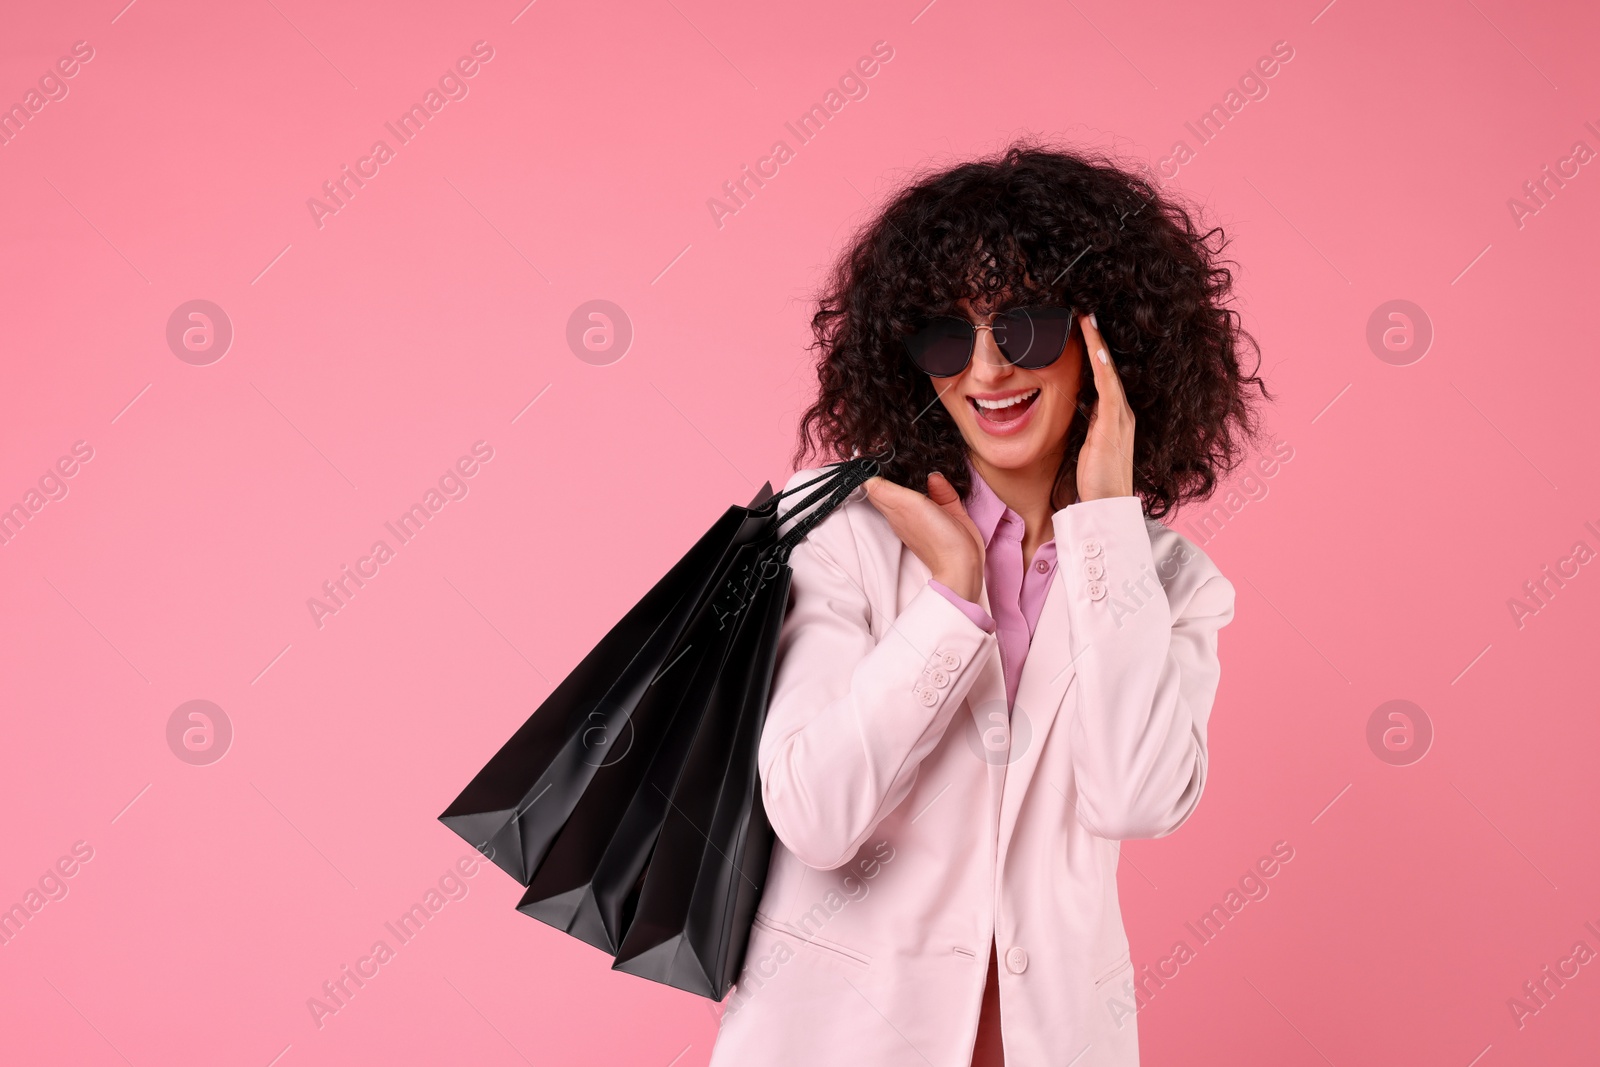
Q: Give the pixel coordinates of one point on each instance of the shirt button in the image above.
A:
(926, 697)
(1093, 569)
(948, 660)
(939, 678)
(1041, 566)
(1016, 960)
(1092, 548)
(1097, 590)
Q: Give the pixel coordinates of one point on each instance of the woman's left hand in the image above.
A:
(1105, 463)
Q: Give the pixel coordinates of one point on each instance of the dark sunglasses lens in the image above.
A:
(941, 347)
(1033, 338)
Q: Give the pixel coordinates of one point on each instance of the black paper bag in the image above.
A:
(588, 882)
(698, 898)
(513, 808)
(629, 804)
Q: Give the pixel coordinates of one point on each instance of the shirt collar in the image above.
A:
(985, 508)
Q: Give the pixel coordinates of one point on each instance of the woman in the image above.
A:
(984, 687)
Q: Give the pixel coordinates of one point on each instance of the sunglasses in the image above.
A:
(1031, 338)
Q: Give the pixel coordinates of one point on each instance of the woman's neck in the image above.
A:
(1028, 492)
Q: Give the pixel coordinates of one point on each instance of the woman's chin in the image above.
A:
(1006, 453)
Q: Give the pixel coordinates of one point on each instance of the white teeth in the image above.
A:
(1010, 401)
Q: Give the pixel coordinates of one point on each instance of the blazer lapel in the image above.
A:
(1046, 674)
(988, 692)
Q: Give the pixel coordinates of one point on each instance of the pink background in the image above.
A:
(426, 315)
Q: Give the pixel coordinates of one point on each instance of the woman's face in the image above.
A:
(1013, 418)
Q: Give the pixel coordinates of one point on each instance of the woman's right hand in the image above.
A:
(937, 529)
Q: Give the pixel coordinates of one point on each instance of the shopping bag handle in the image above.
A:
(850, 475)
(837, 469)
(832, 489)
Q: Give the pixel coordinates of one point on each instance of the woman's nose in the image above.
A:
(988, 364)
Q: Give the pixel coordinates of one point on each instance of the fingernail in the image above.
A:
(1102, 355)
(1093, 321)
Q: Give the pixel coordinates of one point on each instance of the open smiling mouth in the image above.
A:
(1004, 411)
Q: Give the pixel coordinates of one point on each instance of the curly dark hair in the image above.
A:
(1038, 225)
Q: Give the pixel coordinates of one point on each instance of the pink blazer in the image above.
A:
(916, 824)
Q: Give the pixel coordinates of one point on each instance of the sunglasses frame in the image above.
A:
(975, 328)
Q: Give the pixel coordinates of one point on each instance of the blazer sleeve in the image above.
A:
(853, 715)
(1144, 637)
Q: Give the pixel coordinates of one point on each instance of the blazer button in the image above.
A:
(1092, 548)
(1097, 590)
(1016, 960)
(948, 660)
(939, 678)
(1093, 569)
(926, 697)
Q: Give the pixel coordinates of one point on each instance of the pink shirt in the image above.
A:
(1015, 596)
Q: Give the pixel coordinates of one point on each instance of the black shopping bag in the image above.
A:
(589, 880)
(691, 924)
(675, 694)
(705, 877)
(513, 808)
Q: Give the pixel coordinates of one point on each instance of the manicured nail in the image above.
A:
(1093, 321)
(1102, 355)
